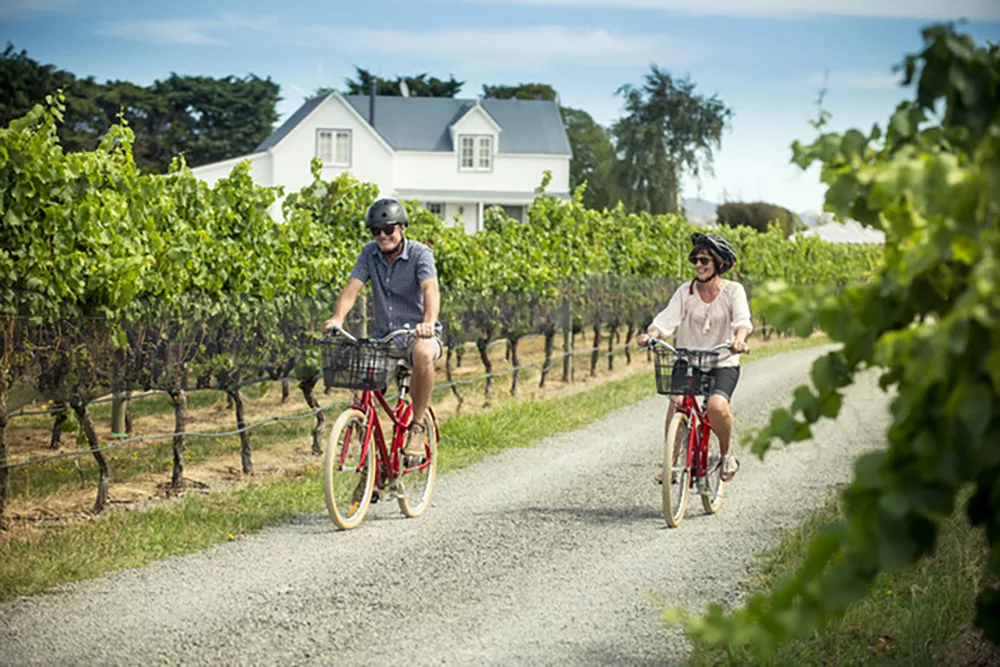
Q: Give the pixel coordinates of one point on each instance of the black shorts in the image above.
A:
(725, 381)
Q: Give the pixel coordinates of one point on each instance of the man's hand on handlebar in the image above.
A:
(333, 324)
(424, 330)
(739, 346)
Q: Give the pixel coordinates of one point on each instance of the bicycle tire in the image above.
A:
(346, 506)
(417, 484)
(713, 486)
(676, 478)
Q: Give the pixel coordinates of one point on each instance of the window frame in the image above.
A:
(335, 133)
(480, 151)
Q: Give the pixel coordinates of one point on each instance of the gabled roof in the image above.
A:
(422, 123)
(289, 125)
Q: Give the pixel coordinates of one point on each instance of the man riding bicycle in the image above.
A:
(707, 312)
(405, 294)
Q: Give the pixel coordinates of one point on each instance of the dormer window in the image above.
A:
(334, 147)
(475, 152)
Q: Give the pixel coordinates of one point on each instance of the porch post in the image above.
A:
(479, 216)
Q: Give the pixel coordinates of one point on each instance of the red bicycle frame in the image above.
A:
(699, 432)
(389, 458)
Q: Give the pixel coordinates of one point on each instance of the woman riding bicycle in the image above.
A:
(707, 312)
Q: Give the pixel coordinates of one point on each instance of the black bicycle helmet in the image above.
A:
(386, 212)
(725, 258)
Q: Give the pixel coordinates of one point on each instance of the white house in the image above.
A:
(850, 231)
(455, 156)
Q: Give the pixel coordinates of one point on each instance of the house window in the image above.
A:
(468, 152)
(334, 147)
(485, 153)
(475, 152)
(437, 208)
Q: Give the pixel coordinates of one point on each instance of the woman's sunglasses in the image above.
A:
(384, 229)
(701, 260)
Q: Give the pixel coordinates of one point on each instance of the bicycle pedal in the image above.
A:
(376, 495)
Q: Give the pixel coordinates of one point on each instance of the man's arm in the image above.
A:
(432, 306)
(344, 303)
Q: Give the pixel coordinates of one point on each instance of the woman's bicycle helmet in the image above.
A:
(719, 247)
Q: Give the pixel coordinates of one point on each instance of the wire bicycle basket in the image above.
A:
(360, 364)
(684, 372)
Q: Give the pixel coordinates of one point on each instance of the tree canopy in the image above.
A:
(204, 118)
(758, 215)
(522, 91)
(668, 130)
(417, 86)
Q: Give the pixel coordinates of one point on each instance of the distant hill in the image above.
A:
(699, 211)
(815, 218)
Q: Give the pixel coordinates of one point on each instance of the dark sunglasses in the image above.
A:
(701, 260)
(384, 229)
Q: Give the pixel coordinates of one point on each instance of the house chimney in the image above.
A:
(371, 102)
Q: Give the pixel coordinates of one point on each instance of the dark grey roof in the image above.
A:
(421, 123)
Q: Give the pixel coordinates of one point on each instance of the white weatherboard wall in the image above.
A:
(261, 169)
(371, 161)
(511, 173)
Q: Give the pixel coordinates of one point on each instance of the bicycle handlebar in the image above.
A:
(728, 345)
(337, 329)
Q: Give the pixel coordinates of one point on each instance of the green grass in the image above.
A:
(123, 539)
(919, 616)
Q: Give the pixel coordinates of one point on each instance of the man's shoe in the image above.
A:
(415, 449)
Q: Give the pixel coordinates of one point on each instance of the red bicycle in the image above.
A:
(360, 466)
(685, 373)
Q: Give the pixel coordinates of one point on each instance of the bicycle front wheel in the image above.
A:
(676, 473)
(713, 486)
(417, 482)
(349, 470)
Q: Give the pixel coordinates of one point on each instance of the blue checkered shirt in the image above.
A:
(398, 300)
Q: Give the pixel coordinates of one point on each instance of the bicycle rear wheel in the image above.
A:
(712, 485)
(348, 471)
(676, 473)
(416, 484)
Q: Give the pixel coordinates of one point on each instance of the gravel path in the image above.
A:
(556, 554)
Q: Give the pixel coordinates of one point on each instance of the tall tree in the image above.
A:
(593, 160)
(522, 91)
(668, 131)
(417, 86)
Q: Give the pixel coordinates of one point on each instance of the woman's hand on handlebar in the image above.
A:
(642, 339)
(739, 346)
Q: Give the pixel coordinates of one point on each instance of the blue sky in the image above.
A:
(765, 59)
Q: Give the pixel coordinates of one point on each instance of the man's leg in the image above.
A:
(425, 352)
(422, 357)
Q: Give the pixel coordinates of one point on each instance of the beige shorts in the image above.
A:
(405, 343)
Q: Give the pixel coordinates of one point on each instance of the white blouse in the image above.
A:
(702, 325)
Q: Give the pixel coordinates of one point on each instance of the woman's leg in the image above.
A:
(721, 418)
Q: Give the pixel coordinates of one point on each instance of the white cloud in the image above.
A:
(485, 49)
(858, 79)
(10, 9)
(985, 10)
(532, 47)
(186, 31)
